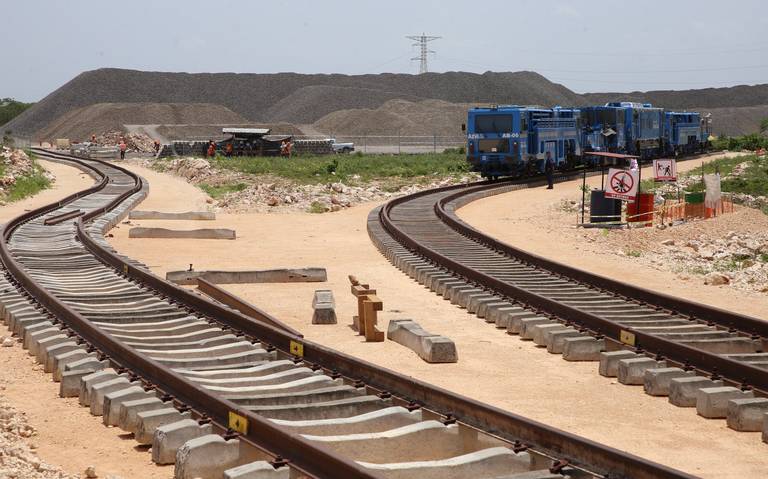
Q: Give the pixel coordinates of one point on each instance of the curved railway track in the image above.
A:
(641, 336)
(181, 371)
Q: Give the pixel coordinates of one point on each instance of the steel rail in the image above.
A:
(596, 457)
(504, 424)
(313, 459)
(735, 371)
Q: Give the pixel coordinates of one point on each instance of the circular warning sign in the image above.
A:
(622, 182)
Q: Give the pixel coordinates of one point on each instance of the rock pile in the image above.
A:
(14, 163)
(282, 196)
(17, 457)
(194, 169)
(138, 142)
(739, 258)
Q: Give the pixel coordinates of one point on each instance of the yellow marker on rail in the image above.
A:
(238, 423)
(297, 349)
(627, 338)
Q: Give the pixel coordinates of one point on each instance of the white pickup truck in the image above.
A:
(341, 147)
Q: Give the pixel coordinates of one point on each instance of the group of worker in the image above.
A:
(123, 146)
(210, 150)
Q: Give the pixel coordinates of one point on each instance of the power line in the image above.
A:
(421, 42)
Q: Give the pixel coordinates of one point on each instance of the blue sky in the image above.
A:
(587, 46)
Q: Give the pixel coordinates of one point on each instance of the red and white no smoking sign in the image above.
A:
(664, 170)
(622, 184)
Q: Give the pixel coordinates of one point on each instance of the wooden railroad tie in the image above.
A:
(367, 306)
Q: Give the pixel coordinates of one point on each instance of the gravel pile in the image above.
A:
(425, 117)
(80, 124)
(256, 97)
(134, 141)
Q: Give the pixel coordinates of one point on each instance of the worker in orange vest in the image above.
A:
(228, 150)
(93, 139)
(157, 147)
(123, 147)
(211, 149)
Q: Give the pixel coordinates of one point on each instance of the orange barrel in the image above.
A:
(641, 210)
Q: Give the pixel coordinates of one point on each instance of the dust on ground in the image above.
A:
(493, 367)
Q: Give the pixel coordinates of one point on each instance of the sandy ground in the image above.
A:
(67, 435)
(522, 218)
(493, 367)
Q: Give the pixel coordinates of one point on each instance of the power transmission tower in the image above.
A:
(421, 42)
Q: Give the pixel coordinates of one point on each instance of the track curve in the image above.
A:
(561, 307)
(130, 341)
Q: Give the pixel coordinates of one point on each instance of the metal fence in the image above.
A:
(392, 144)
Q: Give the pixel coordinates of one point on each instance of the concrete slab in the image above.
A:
(161, 215)
(491, 462)
(206, 456)
(430, 347)
(324, 307)
(631, 371)
(747, 414)
(203, 233)
(278, 275)
(584, 348)
(683, 392)
(609, 361)
(656, 381)
(170, 437)
(713, 402)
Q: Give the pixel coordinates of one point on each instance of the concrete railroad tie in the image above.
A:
(432, 348)
(324, 306)
(160, 215)
(203, 233)
(280, 275)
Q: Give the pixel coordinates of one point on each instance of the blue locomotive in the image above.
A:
(514, 140)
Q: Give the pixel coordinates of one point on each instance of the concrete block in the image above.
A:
(70, 382)
(160, 215)
(113, 400)
(206, 456)
(684, 391)
(609, 361)
(765, 428)
(746, 414)
(556, 339)
(713, 402)
(526, 327)
(257, 470)
(516, 324)
(202, 233)
(170, 437)
(538, 331)
(324, 307)
(584, 348)
(279, 275)
(430, 347)
(98, 391)
(148, 421)
(632, 370)
(656, 381)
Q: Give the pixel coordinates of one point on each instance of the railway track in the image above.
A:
(221, 394)
(697, 355)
